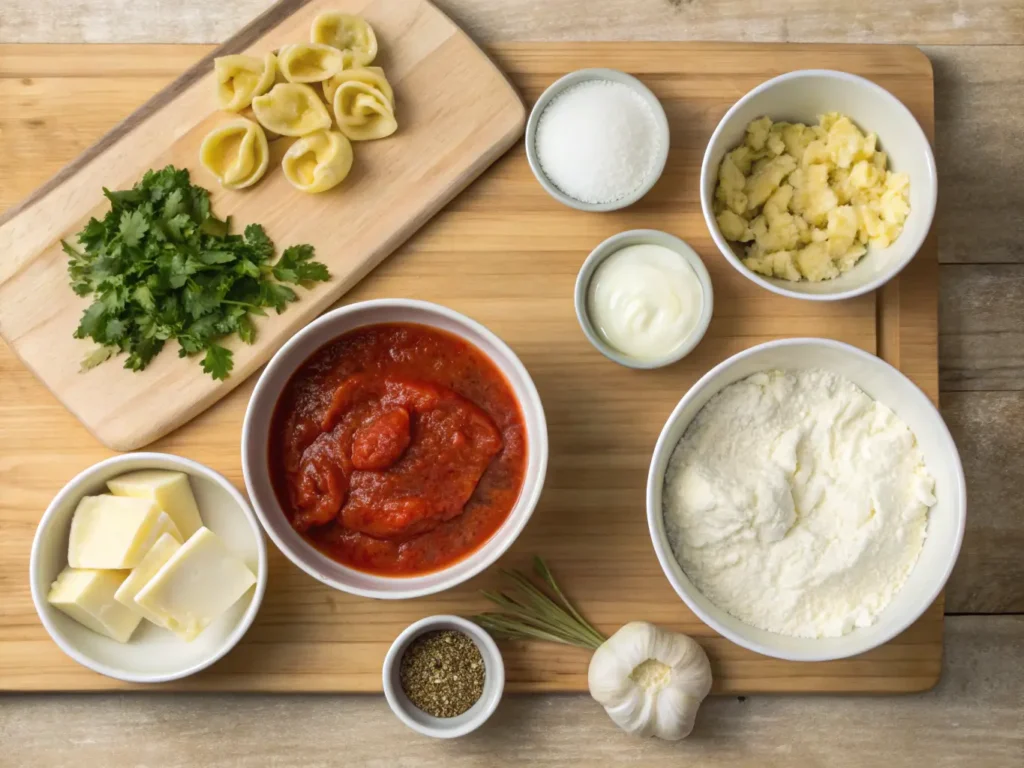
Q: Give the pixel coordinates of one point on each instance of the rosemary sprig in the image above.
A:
(531, 614)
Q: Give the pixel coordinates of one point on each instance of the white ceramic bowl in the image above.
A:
(444, 727)
(153, 655)
(945, 519)
(800, 97)
(256, 435)
(575, 78)
(616, 243)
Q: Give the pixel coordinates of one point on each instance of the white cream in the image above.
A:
(645, 301)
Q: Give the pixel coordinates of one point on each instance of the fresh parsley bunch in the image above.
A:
(162, 267)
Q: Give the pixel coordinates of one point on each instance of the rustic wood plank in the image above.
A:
(978, 97)
(195, 21)
(975, 716)
(981, 327)
(989, 576)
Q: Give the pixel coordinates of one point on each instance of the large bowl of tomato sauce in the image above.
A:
(394, 448)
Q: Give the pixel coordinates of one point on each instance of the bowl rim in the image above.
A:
(72, 489)
(663, 550)
(494, 665)
(879, 280)
(614, 244)
(574, 78)
(535, 443)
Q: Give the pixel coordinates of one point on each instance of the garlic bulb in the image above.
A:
(650, 681)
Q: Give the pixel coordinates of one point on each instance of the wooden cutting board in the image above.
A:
(506, 254)
(457, 113)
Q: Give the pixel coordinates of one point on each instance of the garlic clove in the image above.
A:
(634, 714)
(675, 714)
(692, 669)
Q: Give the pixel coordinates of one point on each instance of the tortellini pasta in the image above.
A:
(236, 153)
(274, 96)
(363, 112)
(291, 109)
(309, 62)
(318, 162)
(240, 78)
(370, 75)
(248, 112)
(349, 34)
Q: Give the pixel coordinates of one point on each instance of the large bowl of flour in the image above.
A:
(806, 500)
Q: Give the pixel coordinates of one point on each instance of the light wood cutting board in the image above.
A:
(457, 113)
(507, 255)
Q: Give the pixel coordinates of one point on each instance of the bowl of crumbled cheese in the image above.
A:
(819, 185)
(597, 140)
(806, 500)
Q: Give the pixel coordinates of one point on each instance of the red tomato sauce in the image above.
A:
(397, 449)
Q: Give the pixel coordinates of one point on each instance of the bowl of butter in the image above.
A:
(148, 567)
(819, 185)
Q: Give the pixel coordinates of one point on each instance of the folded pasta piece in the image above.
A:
(349, 34)
(291, 109)
(370, 75)
(309, 62)
(236, 153)
(251, 115)
(240, 78)
(318, 162)
(363, 112)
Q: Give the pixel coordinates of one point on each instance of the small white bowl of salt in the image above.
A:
(597, 140)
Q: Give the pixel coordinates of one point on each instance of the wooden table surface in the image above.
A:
(975, 715)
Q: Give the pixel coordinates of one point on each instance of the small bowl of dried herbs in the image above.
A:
(444, 676)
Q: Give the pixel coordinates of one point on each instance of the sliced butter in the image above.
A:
(158, 554)
(115, 532)
(170, 490)
(196, 585)
(87, 596)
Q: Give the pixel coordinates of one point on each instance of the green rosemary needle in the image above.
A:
(530, 613)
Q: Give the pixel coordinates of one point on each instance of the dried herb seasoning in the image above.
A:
(442, 673)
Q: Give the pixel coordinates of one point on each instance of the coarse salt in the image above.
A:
(598, 141)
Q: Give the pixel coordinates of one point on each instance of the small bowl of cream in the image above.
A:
(644, 298)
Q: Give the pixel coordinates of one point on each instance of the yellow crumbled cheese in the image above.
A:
(809, 199)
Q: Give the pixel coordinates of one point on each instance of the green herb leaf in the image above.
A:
(246, 330)
(259, 244)
(276, 295)
(97, 356)
(159, 266)
(296, 266)
(218, 362)
(133, 227)
(92, 322)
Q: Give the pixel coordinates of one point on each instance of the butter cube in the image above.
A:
(170, 490)
(115, 532)
(141, 575)
(87, 596)
(196, 585)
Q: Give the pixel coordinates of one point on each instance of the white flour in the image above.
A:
(797, 503)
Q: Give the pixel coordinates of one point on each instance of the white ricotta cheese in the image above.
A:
(797, 503)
